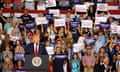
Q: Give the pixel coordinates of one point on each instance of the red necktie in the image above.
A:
(36, 50)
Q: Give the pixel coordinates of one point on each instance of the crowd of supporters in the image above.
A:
(33, 4)
(99, 47)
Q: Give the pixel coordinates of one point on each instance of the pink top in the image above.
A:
(88, 60)
(7, 1)
(17, 2)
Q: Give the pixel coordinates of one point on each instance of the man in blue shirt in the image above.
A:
(101, 37)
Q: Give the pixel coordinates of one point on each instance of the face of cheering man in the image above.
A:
(88, 51)
(25, 12)
(58, 50)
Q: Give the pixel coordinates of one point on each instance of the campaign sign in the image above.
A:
(64, 3)
(59, 22)
(74, 23)
(87, 23)
(50, 3)
(41, 7)
(100, 19)
(55, 12)
(102, 7)
(50, 50)
(48, 16)
(104, 25)
(90, 41)
(117, 41)
(81, 8)
(29, 5)
(41, 20)
(118, 29)
(30, 25)
(114, 28)
(19, 56)
(75, 2)
(77, 47)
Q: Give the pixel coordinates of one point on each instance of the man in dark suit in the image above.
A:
(36, 48)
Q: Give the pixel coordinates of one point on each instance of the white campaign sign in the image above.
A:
(114, 28)
(81, 8)
(50, 3)
(87, 23)
(41, 7)
(55, 12)
(118, 29)
(50, 50)
(41, 20)
(59, 22)
(77, 47)
(29, 5)
(100, 19)
(102, 7)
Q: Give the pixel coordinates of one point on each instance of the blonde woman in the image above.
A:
(8, 65)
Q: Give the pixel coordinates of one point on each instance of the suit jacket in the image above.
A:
(30, 49)
(99, 68)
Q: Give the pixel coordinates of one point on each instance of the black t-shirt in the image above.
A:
(26, 18)
(2, 21)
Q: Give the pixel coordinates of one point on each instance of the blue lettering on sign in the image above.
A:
(48, 16)
(74, 23)
(30, 25)
(75, 2)
(90, 41)
(21, 26)
(104, 25)
(19, 56)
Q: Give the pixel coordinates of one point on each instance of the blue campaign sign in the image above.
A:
(73, 2)
(74, 23)
(104, 25)
(117, 41)
(30, 25)
(90, 41)
(19, 56)
(48, 16)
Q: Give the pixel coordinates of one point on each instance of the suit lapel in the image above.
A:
(32, 48)
(39, 49)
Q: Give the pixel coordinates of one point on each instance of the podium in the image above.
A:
(38, 63)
